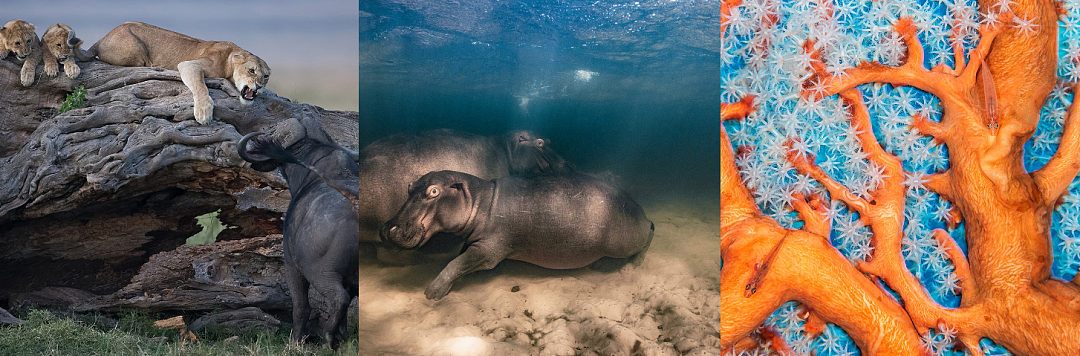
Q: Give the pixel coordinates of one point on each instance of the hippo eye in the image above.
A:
(432, 191)
(539, 143)
(522, 139)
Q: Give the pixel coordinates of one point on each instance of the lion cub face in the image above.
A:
(250, 73)
(60, 41)
(18, 36)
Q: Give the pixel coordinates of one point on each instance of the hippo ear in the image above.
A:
(462, 187)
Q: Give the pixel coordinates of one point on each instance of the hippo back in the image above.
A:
(568, 220)
(389, 165)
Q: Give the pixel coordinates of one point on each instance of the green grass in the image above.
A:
(45, 333)
(75, 100)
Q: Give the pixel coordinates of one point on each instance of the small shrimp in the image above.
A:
(760, 269)
(989, 99)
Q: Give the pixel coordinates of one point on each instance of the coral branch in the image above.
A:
(884, 214)
(782, 265)
(892, 190)
(930, 128)
(906, 28)
(812, 211)
(1054, 178)
(940, 183)
(807, 269)
(987, 34)
(737, 110)
(836, 190)
(912, 72)
(736, 202)
(960, 262)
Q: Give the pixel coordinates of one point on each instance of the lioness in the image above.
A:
(18, 36)
(143, 45)
(61, 46)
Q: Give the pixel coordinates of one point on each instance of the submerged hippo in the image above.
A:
(388, 165)
(555, 221)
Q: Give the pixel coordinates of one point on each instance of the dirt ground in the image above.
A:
(668, 306)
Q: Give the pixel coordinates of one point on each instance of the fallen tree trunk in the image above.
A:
(87, 196)
(224, 274)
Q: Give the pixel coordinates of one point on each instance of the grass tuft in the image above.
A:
(46, 333)
(75, 100)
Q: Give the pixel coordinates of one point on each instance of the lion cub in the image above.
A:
(62, 46)
(18, 36)
(136, 44)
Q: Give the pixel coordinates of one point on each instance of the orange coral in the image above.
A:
(990, 109)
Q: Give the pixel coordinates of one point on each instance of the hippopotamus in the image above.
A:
(320, 244)
(388, 165)
(558, 221)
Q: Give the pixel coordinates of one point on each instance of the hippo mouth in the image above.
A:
(248, 93)
(404, 237)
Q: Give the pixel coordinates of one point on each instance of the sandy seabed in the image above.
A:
(667, 306)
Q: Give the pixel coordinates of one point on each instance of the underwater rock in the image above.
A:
(87, 196)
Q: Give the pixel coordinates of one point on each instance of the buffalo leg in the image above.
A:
(330, 285)
(298, 289)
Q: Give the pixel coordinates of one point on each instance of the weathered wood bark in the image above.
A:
(236, 321)
(8, 319)
(87, 196)
(224, 274)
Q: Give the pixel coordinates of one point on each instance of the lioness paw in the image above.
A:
(72, 69)
(204, 110)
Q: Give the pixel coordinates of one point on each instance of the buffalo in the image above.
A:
(320, 233)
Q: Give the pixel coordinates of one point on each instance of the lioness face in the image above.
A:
(18, 36)
(61, 42)
(250, 73)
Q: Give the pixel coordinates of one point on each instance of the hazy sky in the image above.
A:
(286, 34)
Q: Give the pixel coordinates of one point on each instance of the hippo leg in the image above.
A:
(612, 264)
(475, 258)
(298, 288)
(608, 264)
(639, 257)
